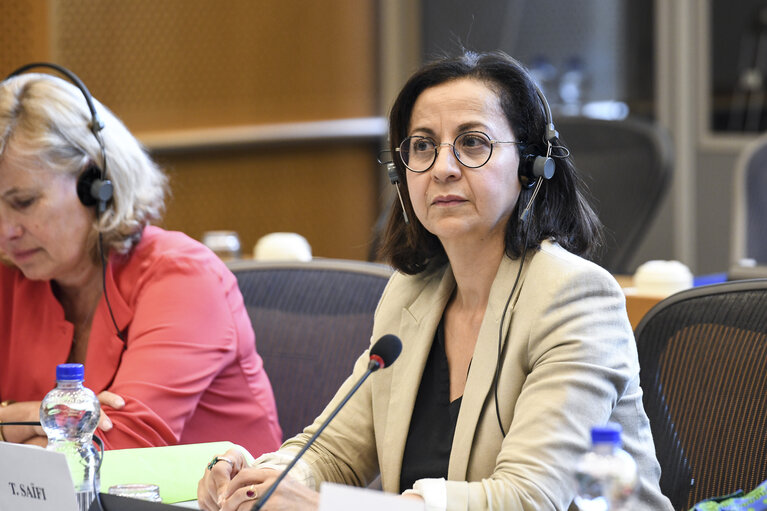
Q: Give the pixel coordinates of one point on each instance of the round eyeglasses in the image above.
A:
(472, 149)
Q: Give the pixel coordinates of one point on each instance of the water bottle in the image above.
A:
(572, 85)
(544, 74)
(606, 476)
(69, 415)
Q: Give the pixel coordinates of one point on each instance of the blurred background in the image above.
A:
(268, 114)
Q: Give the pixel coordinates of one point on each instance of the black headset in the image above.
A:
(531, 166)
(93, 187)
(534, 166)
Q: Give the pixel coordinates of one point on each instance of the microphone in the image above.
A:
(383, 354)
(526, 211)
(391, 171)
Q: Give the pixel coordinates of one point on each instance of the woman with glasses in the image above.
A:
(514, 343)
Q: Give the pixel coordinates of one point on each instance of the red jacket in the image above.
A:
(188, 370)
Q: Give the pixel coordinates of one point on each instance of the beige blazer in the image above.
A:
(569, 362)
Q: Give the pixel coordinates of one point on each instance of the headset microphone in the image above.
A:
(526, 211)
(532, 167)
(391, 171)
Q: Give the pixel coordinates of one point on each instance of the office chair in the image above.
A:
(627, 167)
(749, 230)
(703, 361)
(312, 320)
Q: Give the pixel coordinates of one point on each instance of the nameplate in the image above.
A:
(338, 497)
(35, 479)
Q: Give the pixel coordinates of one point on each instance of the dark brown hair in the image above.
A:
(561, 211)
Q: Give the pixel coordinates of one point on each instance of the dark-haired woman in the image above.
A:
(514, 344)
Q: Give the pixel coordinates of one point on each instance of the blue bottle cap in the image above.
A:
(609, 433)
(70, 372)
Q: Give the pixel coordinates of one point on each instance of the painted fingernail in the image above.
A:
(250, 494)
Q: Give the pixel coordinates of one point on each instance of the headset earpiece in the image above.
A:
(532, 167)
(535, 166)
(92, 190)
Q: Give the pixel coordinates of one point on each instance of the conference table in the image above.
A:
(175, 469)
(637, 305)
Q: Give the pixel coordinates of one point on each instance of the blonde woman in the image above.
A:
(156, 317)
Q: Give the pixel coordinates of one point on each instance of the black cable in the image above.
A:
(100, 444)
(523, 218)
(104, 286)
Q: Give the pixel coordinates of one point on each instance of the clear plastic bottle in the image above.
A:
(544, 73)
(606, 476)
(69, 415)
(572, 86)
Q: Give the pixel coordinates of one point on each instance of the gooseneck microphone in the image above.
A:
(383, 354)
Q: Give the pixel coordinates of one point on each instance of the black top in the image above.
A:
(430, 438)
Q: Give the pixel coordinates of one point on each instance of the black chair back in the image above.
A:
(748, 252)
(312, 320)
(703, 360)
(627, 167)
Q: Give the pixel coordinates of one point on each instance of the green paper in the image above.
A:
(176, 469)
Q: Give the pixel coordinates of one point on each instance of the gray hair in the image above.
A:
(47, 118)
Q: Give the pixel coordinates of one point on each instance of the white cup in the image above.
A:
(282, 246)
(662, 278)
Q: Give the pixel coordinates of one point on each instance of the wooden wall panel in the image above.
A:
(327, 193)
(24, 34)
(194, 63)
(170, 65)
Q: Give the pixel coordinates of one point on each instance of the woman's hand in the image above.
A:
(230, 487)
(29, 411)
(40, 441)
(26, 411)
(214, 482)
(111, 400)
(251, 483)
(412, 496)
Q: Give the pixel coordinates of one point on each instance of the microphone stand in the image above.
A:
(373, 366)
